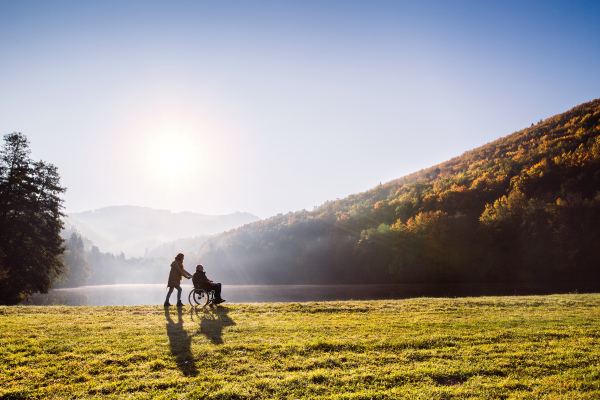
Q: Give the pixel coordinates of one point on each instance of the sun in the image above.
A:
(177, 154)
(171, 158)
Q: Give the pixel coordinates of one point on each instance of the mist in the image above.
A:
(135, 245)
(146, 232)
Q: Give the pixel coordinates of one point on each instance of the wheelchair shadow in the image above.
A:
(180, 343)
(212, 321)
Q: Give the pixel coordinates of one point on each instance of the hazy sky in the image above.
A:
(276, 106)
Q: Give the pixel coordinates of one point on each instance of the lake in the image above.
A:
(154, 294)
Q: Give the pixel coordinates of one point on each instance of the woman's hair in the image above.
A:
(179, 257)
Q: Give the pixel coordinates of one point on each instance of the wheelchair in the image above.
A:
(203, 297)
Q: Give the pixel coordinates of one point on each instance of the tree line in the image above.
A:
(85, 264)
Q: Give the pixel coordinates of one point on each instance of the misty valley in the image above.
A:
(519, 212)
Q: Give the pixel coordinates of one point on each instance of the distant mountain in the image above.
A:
(137, 230)
(522, 209)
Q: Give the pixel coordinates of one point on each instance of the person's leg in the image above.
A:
(179, 303)
(168, 295)
(217, 289)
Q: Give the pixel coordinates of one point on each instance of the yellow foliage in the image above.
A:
(504, 209)
(561, 202)
(427, 223)
(538, 170)
(397, 226)
(379, 204)
(343, 217)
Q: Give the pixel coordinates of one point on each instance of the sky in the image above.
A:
(269, 107)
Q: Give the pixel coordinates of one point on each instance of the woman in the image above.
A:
(175, 277)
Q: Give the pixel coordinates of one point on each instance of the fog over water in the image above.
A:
(149, 294)
(154, 294)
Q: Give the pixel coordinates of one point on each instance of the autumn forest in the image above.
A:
(524, 208)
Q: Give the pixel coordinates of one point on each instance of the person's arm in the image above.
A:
(185, 273)
(206, 279)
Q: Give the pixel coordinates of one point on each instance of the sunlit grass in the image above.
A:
(544, 347)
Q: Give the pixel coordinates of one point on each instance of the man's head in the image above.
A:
(199, 268)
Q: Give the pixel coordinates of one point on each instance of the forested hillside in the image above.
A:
(525, 208)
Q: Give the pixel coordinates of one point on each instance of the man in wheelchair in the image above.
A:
(202, 282)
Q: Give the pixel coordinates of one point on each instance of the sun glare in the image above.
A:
(179, 153)
(172, 158)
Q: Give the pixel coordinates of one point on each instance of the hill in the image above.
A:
(137, 230)
(520, 209)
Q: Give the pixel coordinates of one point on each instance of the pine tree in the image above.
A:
(30, 222)
(74, 259)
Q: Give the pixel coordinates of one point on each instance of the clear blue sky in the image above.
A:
(277, 106)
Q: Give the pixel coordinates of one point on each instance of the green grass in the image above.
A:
(538, 347)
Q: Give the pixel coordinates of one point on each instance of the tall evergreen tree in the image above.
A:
(77, 270)
(30, 222)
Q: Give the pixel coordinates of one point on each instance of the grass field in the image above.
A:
(538, 347)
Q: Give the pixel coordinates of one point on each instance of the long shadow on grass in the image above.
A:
(212, 322)
(181, 343)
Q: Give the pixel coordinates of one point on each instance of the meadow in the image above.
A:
(528, 347)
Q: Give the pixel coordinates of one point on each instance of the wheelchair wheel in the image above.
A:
(198, 297)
